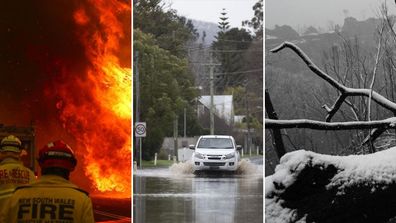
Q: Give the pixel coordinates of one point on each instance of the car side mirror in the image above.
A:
(191, 147)
(239, 147)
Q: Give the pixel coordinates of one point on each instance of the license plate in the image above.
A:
(214, 168)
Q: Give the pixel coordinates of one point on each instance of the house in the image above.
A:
(223, 104)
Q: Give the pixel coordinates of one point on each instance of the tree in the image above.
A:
(318, 187)
(223, 24)
(284, 32)
(344, 93)
(363, 72)
(253, 72)
(171, 31)
(310, 30)
(308, 187)
(166, 89)
(166, 82)
(229, 49)
(257, 21)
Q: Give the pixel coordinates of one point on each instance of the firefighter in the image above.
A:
(12, 172)
(52, 198)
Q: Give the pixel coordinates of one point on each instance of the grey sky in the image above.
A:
(209, 10)
(300, 13)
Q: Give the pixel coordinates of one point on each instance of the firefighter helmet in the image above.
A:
(10, 144)
(57, 154)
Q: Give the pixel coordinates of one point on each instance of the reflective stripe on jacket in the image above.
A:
(51, 199)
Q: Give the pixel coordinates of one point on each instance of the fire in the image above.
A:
(96, 106)
(80, 17)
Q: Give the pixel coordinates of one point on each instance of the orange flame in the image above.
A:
(100, 117)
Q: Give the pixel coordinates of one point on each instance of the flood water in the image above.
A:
(175, 195)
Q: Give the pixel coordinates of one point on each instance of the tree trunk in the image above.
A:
(276, 133)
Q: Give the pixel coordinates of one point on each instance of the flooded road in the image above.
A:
(175, 195)
(111, 210)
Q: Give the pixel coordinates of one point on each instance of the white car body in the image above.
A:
(215, 153)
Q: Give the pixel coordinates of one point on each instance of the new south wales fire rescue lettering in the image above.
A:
(46, 210)
(14, 176)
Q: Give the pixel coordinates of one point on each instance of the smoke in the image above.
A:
(37, 43)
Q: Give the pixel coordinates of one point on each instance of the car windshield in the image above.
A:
(215, 143)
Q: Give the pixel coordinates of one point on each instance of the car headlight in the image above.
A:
(199, 156)
(229, 156)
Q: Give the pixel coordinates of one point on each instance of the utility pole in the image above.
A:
(211, 85)
(175, 134)
(138, 143)
(185, 123)
(211, 96)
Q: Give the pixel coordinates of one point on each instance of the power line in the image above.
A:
(229, 40)
(223, 51)
(232, 51)
(198, 48)
(202, 79)
(241, 72)
(235, 41)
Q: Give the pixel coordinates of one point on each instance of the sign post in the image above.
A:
(140, 132)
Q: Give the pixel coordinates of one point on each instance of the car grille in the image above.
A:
(214, 157)
(214, 164)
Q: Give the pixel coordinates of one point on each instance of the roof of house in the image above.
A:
(223, 105)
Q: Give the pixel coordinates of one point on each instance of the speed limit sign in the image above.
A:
(140, 129)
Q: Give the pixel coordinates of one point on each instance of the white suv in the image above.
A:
(215, 152)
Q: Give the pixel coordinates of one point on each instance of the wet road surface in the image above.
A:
(177, 196)
(112, 210)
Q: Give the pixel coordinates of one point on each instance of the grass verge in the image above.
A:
(160, 163)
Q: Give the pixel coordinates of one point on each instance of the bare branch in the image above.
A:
(353, 109)
(310, 64)
(379, 131)
(318, 125)
(331, 111)
(374, 134)
(375, 72)
(381, 100)
(289, 139)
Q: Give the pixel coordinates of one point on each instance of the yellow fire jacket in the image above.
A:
(51, 199)
(13, 174)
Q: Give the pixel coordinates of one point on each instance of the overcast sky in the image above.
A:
(300, 13)
(209, 10)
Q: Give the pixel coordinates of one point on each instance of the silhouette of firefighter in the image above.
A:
(52, 198)
(12, 171)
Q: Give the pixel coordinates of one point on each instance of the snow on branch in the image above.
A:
(318, 125)
(311, 187)
(345, 91)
